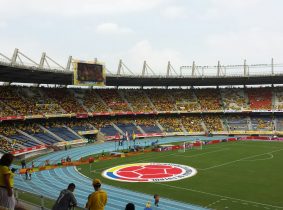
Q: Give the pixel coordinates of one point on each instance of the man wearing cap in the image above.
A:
(98, 199)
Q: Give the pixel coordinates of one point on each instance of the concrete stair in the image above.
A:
(30, 137)
(51, 133)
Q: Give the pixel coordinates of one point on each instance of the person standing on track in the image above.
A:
(156, 199)
(98, 199)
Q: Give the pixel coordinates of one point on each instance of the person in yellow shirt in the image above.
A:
(7, 198)
(98, 199)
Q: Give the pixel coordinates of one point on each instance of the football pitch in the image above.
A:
(242, 175)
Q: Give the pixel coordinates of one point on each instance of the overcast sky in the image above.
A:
(181, 31)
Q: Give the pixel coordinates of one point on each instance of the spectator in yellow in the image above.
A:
(98, 199)
(7, 198)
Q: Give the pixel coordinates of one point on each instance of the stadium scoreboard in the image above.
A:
(89, 73)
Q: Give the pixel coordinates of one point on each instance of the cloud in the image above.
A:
(174, 12)
(75, 7)
(112, 28)
(157, 58)
(238, 9)
(253, 40)
(3, 24)
(143, 50)
(257, 45)
(239, 4)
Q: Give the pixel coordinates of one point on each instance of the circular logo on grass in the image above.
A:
(149, 172)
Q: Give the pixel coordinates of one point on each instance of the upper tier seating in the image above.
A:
(185, 100)
(113, 100)
(260, 98)
(209, 99)
(91, 100)
(15, 102)
(65, 98)
(138, 100)
(162, 100)
(26, 101)
(234, 99)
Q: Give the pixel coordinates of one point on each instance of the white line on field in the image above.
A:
(217, 201)
(268, 158)
(234, 161)
(204, 153)
(216, 195)
(165, 155)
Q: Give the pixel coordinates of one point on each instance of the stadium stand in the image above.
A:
(43, 104)
(138, 100)
(213, 123)
(5, 145)
(15, 102)
(278, 98)
(91, 100)
(279, 123)
(126, 125)
(62, 132)
(209, 99)
(65, 98)
(260, 98)
(172, 124)
(234, 99)
(29, 101)
(186, 100)
(5, 110)
(114, 100)
(148, 125)
(162, 100)
(192, 123)
(262, 123)
(237, 122)
(57, 112)
(79, 125)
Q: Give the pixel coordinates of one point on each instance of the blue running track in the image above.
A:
(50, 183)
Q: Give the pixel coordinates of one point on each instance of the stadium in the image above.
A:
(200, 141)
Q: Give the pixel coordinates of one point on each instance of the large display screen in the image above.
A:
(87, 73)
(90, 72)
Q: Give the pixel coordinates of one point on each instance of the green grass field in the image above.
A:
(231, 175)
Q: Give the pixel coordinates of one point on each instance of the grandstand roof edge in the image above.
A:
(26, 74)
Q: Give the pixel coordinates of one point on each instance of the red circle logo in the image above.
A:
(149, 172)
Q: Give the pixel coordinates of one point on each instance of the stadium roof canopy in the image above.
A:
(44, 76)
(13, 71)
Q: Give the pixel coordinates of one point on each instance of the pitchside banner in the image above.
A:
(89, 73)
